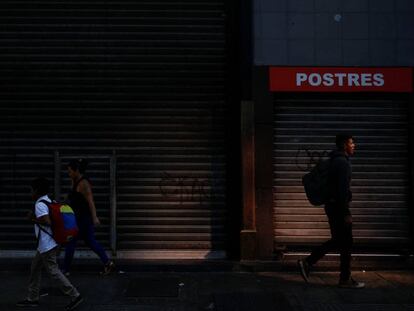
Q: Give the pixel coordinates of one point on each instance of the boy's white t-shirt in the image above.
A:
(46, 242)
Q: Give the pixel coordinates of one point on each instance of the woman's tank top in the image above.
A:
(78, 202)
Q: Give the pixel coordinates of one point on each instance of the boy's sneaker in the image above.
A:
(27, 303)
(351, 283)
(74, 303)
(108, 268)
(304, 269)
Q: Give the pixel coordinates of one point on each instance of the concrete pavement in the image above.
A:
(209, 289)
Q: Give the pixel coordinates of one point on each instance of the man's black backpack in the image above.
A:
(316, 183)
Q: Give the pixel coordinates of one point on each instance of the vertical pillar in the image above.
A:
(248, 239)
(263, 115)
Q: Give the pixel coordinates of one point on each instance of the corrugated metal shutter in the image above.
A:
(146, 79)
(304, 132)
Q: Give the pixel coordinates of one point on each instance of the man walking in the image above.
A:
(46, 252)
(338, 213)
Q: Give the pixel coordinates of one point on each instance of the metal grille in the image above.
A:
(142, 78)
(304, 133)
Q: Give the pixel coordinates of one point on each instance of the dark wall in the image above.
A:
(334, 32)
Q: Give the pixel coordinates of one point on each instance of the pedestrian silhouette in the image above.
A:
(339, 215)
(82, 202)
(46, 252)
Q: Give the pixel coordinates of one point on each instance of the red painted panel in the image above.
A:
(340, 79)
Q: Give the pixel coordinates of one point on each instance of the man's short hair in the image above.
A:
(40, 185)
(341, 139)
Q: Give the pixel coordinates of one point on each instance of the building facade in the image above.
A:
(314, 72)
(141, 90)
(198, 119)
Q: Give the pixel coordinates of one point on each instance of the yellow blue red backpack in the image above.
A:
(63, 222)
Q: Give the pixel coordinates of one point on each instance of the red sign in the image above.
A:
(340, 79)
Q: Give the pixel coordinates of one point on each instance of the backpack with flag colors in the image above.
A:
(63, 222)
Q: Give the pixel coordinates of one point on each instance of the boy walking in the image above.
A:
(46, 252)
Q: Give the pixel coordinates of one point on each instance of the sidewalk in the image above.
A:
(132, 289)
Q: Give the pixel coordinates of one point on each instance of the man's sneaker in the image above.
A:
(351, 283)
(108, 268)
(304, 269)
(74, 303)
(27, 303)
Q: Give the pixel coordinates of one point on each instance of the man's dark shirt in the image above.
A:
(339, 181)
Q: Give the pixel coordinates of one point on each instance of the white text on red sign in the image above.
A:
(340, 79)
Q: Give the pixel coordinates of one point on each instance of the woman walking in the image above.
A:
(81, 200)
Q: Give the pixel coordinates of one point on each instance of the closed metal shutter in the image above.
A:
(145, 79)
(304, 132)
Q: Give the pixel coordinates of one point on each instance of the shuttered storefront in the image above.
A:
(304, 132)
(143, 79)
